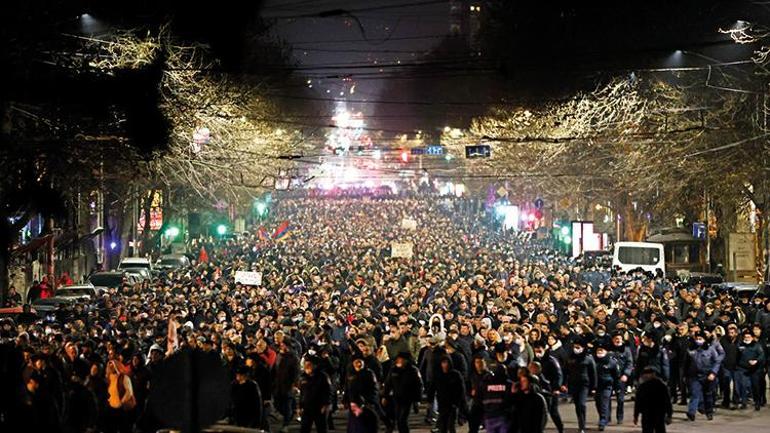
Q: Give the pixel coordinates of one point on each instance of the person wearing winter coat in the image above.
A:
(653, 403)
(361, 419)
(606, 376)
(749, 370)
(450, 396)
(285, 376)
(651, 355)
(550, 373)
(403, 387)
(621, 353)
(530, 407)
(479, 373)
(581, 379)
(315, 397)
(701, 369)
(246, 400)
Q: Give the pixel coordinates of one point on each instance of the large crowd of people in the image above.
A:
(477, 327)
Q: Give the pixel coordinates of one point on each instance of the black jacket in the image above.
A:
(653, 400)
(404, 385)
(246, 404)
(361, 385)
(607, 371)
(580, 372)
(364, 423)
(450, 389)
(315, 391)
(731, 352)
(286, 373)
(531, 410)
(496, 395)
(552, 371)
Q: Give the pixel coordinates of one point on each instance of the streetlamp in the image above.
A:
(221, 230)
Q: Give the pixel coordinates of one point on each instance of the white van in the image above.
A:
(135, 262)
(634, 255)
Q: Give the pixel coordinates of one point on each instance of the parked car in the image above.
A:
(141, 274)
(740, 290)
(85, 291)
(170, 262)
(112, 280)
(707, 280)
(135, 262)
(46, 305)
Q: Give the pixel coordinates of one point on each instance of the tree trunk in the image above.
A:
(760, 242)
(147, 211)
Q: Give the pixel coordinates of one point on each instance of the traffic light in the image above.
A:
(261, 208)
(172, 232)
(221, 230)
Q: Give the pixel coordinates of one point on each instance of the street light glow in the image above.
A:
(221, 230)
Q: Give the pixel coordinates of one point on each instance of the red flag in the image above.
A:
(203, 257)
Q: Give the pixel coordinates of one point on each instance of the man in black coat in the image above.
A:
(315, 397)
(551, 379)
(286, 373)
(653, 403)
(530, 407)
(450, 395)
(403, 387)
(361, 385)
(581, 379)
(246, 400)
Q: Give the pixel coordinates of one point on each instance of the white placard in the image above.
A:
(248, 278)
(401, 249)
(409, 224)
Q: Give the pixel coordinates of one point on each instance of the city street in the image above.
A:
(210, 208)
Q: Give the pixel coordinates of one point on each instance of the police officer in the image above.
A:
(607, 375)
(749, 372)
(625, 360)
(581, 379)
(315, 396)
(701, 369)
(496, 401)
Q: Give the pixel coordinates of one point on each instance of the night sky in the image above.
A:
(557, 48)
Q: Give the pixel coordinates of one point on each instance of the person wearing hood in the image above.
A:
(750, 361)
(450, 396)
(701, 369)
(361, 385)
(581, 379)
(403, 387)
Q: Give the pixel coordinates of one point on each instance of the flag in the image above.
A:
(282, 232)
(263, 234)
(203, 257)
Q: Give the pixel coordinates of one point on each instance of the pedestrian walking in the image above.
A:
(653, 403)
(581, 380)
